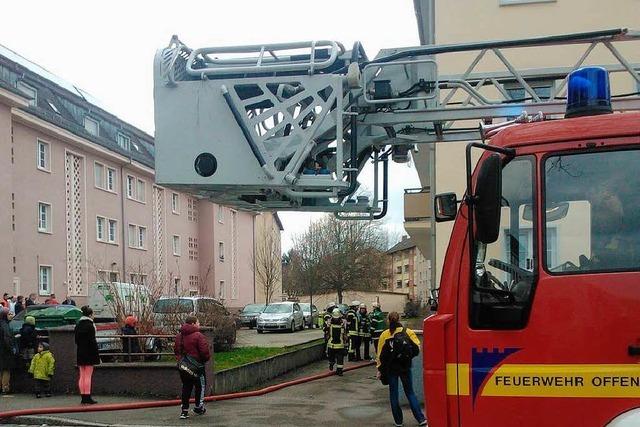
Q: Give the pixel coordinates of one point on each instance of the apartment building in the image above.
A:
(409, 271)
(478, 20)
(80, 204)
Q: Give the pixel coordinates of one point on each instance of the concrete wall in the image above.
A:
(254, 374)
(389, 301)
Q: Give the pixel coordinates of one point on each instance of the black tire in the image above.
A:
(302, 325)
(293, 326)
(259, 331)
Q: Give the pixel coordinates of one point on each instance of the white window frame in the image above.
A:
(138, 236)
(221, 251)
(142, 199)
(28, 89)
(133, 278)
(133, 183)
(111, 221)
(100, 235)
(175, 244)
(175, 203)
(48, 214)
(88, 119)
(121, 137)
(50, 278)
(111, 186)
(99, 182)
(47, 160)
(221, 289)
(221, 214)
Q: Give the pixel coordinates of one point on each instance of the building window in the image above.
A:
(123, 141)
(113, 226)
(192, 209)
(30, 91)
(176, 245)
(221, 251)
(399, 284)
(221, 290)
(137, 236)
(98, 172)
(193, 249)
(53, 107)
(220, 214)
(175, 203)
(111, 179)
(45, 284)
(138, 279)
(406, 268)
(399, 269)
(100, 228)
(91, 126)
(193, 282)
(136, 189)
(43, 161)
(44, 217)
(141, 193)
(105, 276)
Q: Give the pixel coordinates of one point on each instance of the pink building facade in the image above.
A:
(79, 203)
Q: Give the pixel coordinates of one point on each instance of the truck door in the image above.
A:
(552, 334)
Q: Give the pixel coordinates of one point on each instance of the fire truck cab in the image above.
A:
(538, 320)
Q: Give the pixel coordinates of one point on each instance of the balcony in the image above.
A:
(418, 211)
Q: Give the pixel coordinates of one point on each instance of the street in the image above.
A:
(335, 401)
(250, 338)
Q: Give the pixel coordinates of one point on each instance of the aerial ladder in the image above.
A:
(290, 126)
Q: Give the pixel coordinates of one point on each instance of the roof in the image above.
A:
(65, 105)
(402, 245)
(589, 127)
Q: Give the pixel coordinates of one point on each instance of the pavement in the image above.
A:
(357, 398)
(251, 338)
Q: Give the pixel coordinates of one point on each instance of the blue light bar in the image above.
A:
(588, 92)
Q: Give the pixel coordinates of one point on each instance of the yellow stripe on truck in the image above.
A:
(462, 377)
(564, 381)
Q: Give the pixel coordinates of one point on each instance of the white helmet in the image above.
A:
(336, 313)
(363, 305)
(355, 303)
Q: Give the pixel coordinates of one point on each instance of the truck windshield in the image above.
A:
(592, 212)
(173, 305)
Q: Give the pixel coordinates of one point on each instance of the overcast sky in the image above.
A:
(107, 48)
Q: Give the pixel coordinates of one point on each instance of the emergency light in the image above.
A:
(588, 92)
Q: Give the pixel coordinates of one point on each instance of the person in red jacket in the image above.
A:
(191, 344)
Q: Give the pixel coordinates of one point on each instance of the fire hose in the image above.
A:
(172, 402)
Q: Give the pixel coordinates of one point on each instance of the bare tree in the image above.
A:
(337, 255)
(266, 262)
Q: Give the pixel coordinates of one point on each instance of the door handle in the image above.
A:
(634, 350)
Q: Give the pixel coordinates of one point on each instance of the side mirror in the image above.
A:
(446, 207)
(488, 197)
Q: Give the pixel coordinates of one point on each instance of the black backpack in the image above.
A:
(402, 349)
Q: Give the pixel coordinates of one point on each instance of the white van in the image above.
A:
(123, 298)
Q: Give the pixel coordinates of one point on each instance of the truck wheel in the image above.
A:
(259, 331)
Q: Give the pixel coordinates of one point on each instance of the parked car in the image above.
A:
(249, 314)
(281, 316)
(170, 313)
(310, 314)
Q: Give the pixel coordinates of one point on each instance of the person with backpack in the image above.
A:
(337, 338)
(397, 346)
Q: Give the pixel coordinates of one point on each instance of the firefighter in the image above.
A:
(325, 326)
(354, 333)
(337, 341)
(364, 330)
(378, 324)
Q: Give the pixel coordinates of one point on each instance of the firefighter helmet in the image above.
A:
(336, 313)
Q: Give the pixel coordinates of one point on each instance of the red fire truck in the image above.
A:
(538, 320)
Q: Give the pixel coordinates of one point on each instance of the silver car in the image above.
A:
(281, 316)
(310, 314)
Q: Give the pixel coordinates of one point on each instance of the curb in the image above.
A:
(60, 421)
